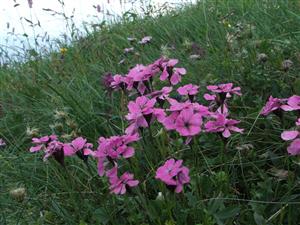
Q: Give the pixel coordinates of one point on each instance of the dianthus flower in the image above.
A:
(222, 125)
(293, 103)
(51, 147)
(145, 40)
(190, 90)
(173, 174)
(272, 105)
(170, 72)
(119, 185)
(139, 77)
(294, 136)
(221, 93)
(77, 146)
(111, 149)
(142, 113)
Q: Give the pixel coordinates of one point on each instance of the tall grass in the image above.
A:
(246, 188)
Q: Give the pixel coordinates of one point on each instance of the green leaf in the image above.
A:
(228, 212)
(259, 219)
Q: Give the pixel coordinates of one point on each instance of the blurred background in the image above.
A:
(42, 24)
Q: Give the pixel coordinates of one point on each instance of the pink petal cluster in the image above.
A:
(186, 117)
(145, 40)
(228, 89)
(139, 78)
(161, 95)
(2, 143)
(118, 82)
(41, 143)
(293, 103)
(287, 104)
(294, 136)
(169, 71)
(222, 125)
(188, 89)
(221, 93)
(142, 113)
(119, 185)
(272, 105)
(174, 174)
(111, 149)
(51, 147)
(77, 146)
(108, 152)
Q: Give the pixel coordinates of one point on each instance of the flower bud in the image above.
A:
(262, 58)
(286, 65)
(18, 194)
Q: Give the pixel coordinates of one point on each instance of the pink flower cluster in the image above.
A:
(53, 147)
(286, 104)
(108, 151)
(277, 105)
(187, 117)
(184, 115)
(173, 174)
(111, 149)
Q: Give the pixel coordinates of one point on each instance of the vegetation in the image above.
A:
(248, 179)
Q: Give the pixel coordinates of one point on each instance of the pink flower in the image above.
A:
(188, 123)
(77, 146)
(140, 113)
(272, 105)
(145, 40)
(51, 147)
(55, 149)
(118, 185)
(107, 79)
(118, 82)
(111, 149)
(41, 142)
(188, 89)
(298, 122)
(294, 147)
(128, 50)
(30, 3)
(2, 143)
(173, 74)
(167, 66)
(294, 136)
(225, 88)
(139, 78)
(173, 174)
(222, 92)
(162, 94)
(222, 125)
(293, 103)
(98, 7)
(177, 107)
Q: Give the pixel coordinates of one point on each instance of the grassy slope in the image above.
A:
(31, 93)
